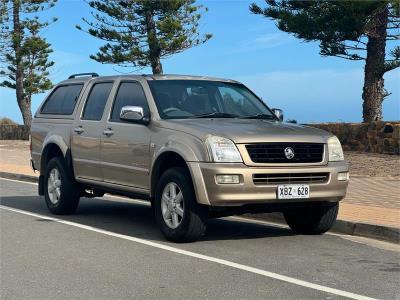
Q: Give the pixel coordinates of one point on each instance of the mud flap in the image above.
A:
(41, 185)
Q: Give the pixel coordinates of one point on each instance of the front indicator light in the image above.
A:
(343, 176)
(228, 179)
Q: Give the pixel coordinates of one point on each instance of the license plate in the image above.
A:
(293, 191)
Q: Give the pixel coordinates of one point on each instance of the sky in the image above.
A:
(285, 72)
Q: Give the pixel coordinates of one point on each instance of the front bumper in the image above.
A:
(246, 192)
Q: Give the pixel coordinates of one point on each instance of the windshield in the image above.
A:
(181, 99)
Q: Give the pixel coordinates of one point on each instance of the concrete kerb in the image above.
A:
(374, 231)
(21, 177)
(379, 232)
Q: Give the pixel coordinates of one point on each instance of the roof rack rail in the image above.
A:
(83, 74)
(147, 75)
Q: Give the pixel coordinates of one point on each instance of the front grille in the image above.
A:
(275, 152)
(291, 178)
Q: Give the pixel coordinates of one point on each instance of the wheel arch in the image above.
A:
(165, 160)
(54, 149)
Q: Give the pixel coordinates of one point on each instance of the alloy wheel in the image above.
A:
(54, 186)
(172, 206)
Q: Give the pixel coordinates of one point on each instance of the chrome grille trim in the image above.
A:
(291, 178)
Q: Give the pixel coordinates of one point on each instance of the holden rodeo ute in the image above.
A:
(195, 147)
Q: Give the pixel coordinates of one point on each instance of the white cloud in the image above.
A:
(262, 42)
(320, 94)
(66, 58)
(310, 83)
(64, 61)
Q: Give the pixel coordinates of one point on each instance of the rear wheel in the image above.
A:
(314, 219)
(60, 191)
(180, 217)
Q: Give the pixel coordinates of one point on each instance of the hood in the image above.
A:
(244, 131)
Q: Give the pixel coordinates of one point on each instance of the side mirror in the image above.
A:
(278, 113)
(133, 114)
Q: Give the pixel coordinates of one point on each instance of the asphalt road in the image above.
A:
(111, 248)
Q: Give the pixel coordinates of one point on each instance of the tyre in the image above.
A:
(61, 192)
(315, 219)
(179, 216)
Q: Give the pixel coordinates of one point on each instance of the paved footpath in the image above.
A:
(371, 200)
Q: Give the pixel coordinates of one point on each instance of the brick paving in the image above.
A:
(373, 200)
(381, 192)
(369, 214)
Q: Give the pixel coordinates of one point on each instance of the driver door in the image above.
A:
(125, 145)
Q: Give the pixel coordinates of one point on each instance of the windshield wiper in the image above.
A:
(216, 115)
(260, 116)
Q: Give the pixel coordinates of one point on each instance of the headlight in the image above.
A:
(335, 149)
(223, 149)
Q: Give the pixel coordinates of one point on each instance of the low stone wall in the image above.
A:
(14, 132)
(378, 137)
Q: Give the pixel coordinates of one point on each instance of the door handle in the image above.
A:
(108, 132)
(79, 130)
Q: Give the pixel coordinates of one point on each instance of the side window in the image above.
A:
(129, 94)
(63, 100)
(96, 101)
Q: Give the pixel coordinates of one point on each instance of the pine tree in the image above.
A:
(354, 30)
(24, 54)
(139, 33)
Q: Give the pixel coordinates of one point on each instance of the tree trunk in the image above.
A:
(24, 103)
(25, 108)
(373, 90)
(154, 47)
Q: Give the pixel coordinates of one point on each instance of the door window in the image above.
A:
(129, 94)
(96, 101)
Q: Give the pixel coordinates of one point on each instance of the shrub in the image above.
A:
(7, 121)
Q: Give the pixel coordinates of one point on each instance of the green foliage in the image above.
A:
(139, 33)
(341, 27)
(354, 30)
(22, 47)
(394, 62)
(7, 121)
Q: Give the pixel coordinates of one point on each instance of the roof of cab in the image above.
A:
(79, 78)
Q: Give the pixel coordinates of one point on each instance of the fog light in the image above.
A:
(343, 176)
(228, 179)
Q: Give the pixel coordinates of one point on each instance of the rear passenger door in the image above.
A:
(87, 132)
(125, 145)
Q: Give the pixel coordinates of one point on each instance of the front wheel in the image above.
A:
(180, 217)
(314, 219)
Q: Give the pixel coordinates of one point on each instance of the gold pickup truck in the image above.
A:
(195, 147)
